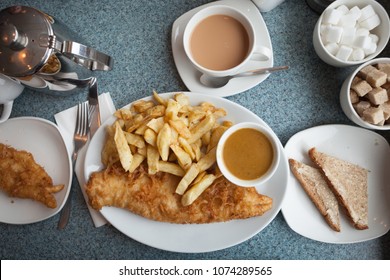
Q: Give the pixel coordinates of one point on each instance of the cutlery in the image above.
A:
(216, 82)
(93, 100)
(80, 137)
(94, 111)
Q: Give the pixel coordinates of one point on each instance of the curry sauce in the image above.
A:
(248, 154)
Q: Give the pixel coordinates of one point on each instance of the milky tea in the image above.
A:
(219, 42)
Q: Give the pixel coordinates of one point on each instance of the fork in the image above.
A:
(80, 137)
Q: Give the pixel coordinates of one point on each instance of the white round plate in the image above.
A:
(356, 145)
(44, 141)
(190, 75)
(192, 238)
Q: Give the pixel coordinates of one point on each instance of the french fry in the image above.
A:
(180, 127)
(186, 147)
(164, 141)
(159, 99)
(155, 112)
(150, 137)
(208, 160)
(133, 139)
(215, 136)
(183, 158)
(196, 148)
(205, 125)
(187, 179)
(122, 147)
(137, 160)
(172, 110)
(153, 157)
(142, 105)
(182, 99)
(199, 177)
(170, 167)
(156, 124)
(196, 190)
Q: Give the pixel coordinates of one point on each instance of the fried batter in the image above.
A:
(154, 197)
(21, 176)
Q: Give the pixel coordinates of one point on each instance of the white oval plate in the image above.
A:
(44, 141)
(193, 238)
(190, 75)
(357, 145)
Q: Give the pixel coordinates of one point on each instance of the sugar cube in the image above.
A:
(366, 12)
(356, 12)
(362, 32)
(373, 115)
(378, 96)
(362, 42)
(348, 36)
(347, 20)
(374, 38)
(333, 34)
(357, 54)
(371, 22)
(343, 9)
(332, 16)
(376, 78)
(362, 88)
(344, 52)
(365, 70)
(386, 109)
(371, 49)
(332, 48)
(353, 96)
(361, 106)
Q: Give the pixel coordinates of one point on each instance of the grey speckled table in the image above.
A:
(137, 34)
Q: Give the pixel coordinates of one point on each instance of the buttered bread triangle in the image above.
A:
(349, 182)
(317, 189)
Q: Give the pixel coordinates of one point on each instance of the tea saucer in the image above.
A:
(191, 76)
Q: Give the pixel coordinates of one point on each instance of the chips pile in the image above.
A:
(173, 137)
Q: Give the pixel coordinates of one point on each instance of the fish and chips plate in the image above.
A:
(179, 236)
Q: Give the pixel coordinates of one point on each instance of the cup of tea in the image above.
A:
(220, 40)
(9, 90)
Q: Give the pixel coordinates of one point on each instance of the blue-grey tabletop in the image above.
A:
(137, 34)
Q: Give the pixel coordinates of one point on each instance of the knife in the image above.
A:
(94, 110)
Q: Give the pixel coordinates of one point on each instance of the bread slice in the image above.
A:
(349, 182)
(316, 187)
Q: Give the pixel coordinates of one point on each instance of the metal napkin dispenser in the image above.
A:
(42, 52)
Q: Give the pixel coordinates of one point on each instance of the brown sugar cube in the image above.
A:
(354, 97)
(355, 80)
(373, 115)
(376, 78)
(386, 109)
(378, 96)
(385, 68)
(361, 106)
(365, 70)
(362, 88)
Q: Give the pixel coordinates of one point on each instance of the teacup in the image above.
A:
(220, 40)
(9, 90)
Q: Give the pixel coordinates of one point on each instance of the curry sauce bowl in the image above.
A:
(248, 154)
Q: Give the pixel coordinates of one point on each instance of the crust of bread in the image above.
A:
(349, 182)
(316, 187)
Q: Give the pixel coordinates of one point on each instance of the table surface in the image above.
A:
(137, 34)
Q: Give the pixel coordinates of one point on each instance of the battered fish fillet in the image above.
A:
(154, 197)
(21, 176)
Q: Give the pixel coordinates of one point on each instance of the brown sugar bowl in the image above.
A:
(365, 95)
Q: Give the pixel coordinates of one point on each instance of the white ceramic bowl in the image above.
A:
(382, 31)
(345, 99)
(276, 154)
